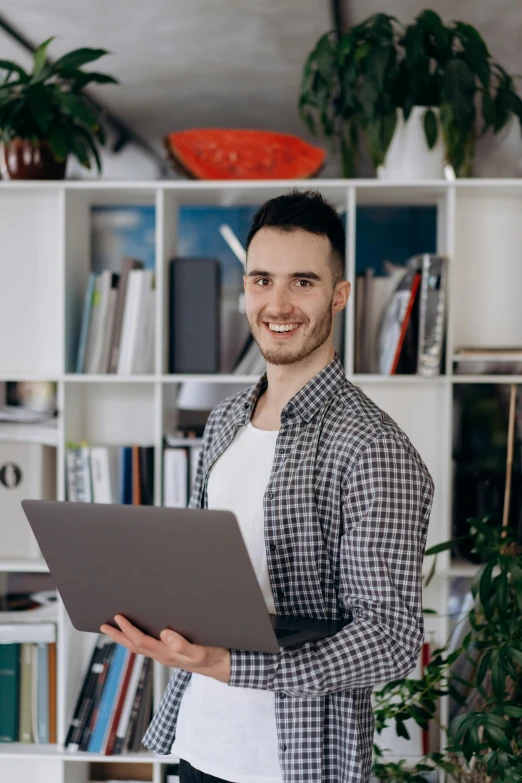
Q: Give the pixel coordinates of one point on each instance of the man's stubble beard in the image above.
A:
(284, 355)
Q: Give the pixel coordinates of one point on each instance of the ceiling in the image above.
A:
(219, 63)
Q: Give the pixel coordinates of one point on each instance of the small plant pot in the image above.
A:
(23, 159)
(409, 157)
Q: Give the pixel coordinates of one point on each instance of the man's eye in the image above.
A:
(304, 281)
(262, 280)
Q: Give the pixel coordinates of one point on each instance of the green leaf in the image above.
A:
(81, 79)
(498, 679)
(513, 710)
(430, 128)
(459, 87)
(501, 584)
(10, 66)
(40, 57)
(440, 547)
(77, 58)
(458, 727)
(58, 140)
(498, 737)
(78, 109)
(485, 583)
(483, 666)
(79, 149)
(86, 136)
(401, 729)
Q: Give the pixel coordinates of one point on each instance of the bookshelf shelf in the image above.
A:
(42, 292)
(23, 566)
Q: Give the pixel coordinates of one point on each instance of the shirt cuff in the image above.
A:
(252, 669)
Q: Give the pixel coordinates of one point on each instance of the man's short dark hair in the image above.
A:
(307, 210)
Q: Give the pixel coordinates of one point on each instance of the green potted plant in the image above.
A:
(369, 82)
(485, 738)
(45, 115)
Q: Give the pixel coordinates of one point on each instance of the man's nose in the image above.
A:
(281, 301)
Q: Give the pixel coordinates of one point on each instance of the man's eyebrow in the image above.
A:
(293, 276)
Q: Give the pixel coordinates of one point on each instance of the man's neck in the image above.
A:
(285, 380)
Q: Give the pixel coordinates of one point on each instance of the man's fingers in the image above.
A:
(139, 639)
(117, 636)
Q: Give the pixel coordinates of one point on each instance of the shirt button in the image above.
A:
(270, 495)
(283, 747)
(273, 547)
(281, 451)
(246, 405)
(282, 695)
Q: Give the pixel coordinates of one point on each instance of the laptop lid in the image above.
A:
(185, 569)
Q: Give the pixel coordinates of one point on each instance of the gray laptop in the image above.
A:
(184, 569)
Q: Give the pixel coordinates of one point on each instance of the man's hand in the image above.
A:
(172, 650)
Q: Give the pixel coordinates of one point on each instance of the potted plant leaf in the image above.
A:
(426, 86)
(45, 115)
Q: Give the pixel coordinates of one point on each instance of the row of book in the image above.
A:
(110, 474)
(114, 703)
(125, 474)
(179, 471)
(400, 318)
(28, 682)
(117, 328)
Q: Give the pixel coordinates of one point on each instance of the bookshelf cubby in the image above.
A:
(46, 260)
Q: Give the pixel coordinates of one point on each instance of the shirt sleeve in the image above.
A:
(386, 504)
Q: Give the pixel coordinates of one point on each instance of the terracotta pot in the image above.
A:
(21, 159)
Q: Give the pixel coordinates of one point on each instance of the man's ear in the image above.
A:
(341, 295)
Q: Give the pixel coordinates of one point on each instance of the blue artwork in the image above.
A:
(198, 235)
(118, 231)
(390, 233)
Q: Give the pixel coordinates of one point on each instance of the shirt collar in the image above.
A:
(306, 402)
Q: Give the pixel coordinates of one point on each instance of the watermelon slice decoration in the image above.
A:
(208, 153)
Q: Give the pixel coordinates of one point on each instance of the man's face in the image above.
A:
(288, 283)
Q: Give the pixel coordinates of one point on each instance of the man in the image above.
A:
(333, 502)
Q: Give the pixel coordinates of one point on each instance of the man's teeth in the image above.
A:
(283, 328)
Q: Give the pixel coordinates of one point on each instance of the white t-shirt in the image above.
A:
(226, 731)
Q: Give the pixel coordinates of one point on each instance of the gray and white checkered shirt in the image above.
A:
(346, 513)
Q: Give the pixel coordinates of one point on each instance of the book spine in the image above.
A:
(136, 705)
(123, 724)
(43, 693)
(76, 724)
(94, 701)
(111, 742)
(26, 688)
(107, 699)
(9, 692)
(53, 735)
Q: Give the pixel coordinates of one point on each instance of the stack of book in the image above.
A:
(110, 474)
(117, 329)
(400, 319)
(28, 682)
(180, 459)
(488, 361)
(114, 704)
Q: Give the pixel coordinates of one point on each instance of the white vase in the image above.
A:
(408, 156)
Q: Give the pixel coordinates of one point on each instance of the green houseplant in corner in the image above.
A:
(367, 82)
(45, 115)
(485, 737)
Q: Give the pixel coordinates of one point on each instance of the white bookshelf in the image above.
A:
(45, 229)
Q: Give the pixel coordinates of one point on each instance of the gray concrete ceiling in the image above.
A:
(221, 63)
